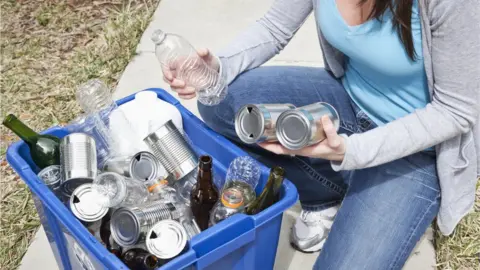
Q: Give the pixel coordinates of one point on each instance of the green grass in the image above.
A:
(48, 48)
(461, 250)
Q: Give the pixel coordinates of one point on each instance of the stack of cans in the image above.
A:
(294, 128)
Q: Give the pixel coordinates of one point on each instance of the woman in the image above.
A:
(404, 76)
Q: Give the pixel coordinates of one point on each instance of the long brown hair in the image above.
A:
(402, 19)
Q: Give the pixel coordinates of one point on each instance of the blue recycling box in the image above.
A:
(239, 242)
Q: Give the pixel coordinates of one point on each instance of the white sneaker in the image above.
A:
(311, 229)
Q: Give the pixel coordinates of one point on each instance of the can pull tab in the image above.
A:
(153, 235)
(249, 109)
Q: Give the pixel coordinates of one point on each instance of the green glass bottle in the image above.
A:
(44, 149)
(270, 193)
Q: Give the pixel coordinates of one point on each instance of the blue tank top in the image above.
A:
(379, 76)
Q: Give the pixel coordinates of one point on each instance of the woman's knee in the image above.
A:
(220, 117)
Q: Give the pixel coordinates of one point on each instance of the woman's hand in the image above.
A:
(332, 148)
(183, 90)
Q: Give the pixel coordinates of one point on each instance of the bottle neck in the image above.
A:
(278, 175)
(205, 178)
(19, 128)
(205, 172)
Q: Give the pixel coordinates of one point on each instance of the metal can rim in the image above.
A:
(238, 126)
(85, 188)
(173, 250)
(280, 131)
(113, 227)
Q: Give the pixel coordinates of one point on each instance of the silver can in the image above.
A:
(83, 204)
(173, 150)
(302, 127)
(130, 225)
(142, 166)
(78, 159)
(51, 176)
(166, 239)
(256, 122)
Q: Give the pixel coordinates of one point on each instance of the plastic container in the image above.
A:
(239, 242)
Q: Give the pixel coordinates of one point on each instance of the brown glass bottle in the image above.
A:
(204, 194)
(270, 193)
(140, 259)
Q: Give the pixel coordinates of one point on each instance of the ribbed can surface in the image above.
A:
(78, 159)
(172, 149)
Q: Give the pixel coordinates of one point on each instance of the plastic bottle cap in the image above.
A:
(232, 198)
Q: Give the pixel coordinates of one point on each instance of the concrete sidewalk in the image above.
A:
(212, 24)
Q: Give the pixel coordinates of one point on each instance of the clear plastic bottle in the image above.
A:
(114, 190)
(185, 185)
(243, 174)
(161, 191)
(231, 202)
(176, 53)
(113, 128)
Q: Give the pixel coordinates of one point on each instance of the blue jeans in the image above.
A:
(384, 210)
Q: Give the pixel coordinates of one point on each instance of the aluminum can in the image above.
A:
(83, 204)
(256, 122)
(141, 166)
(78, 159)
(166, 239)
(51, 176)
(302, 126)
(173, 150)
(130, 225)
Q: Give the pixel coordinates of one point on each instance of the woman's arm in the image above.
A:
(265, 38)
(455, 104)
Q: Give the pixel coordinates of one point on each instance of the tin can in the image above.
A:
(142, 166)
(78, 159)
(172, 149)
(52, 178)
(130, 225)
(83, 205)
(256, 122)
(302, 127)
(166, 239)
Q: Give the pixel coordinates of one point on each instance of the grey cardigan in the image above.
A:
(451, 54)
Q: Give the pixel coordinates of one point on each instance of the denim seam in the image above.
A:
(414, 229)
(319, 207)
(416, 180)
(348, 126)
(316, 176)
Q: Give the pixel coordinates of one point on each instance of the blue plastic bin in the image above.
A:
(240, 242)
